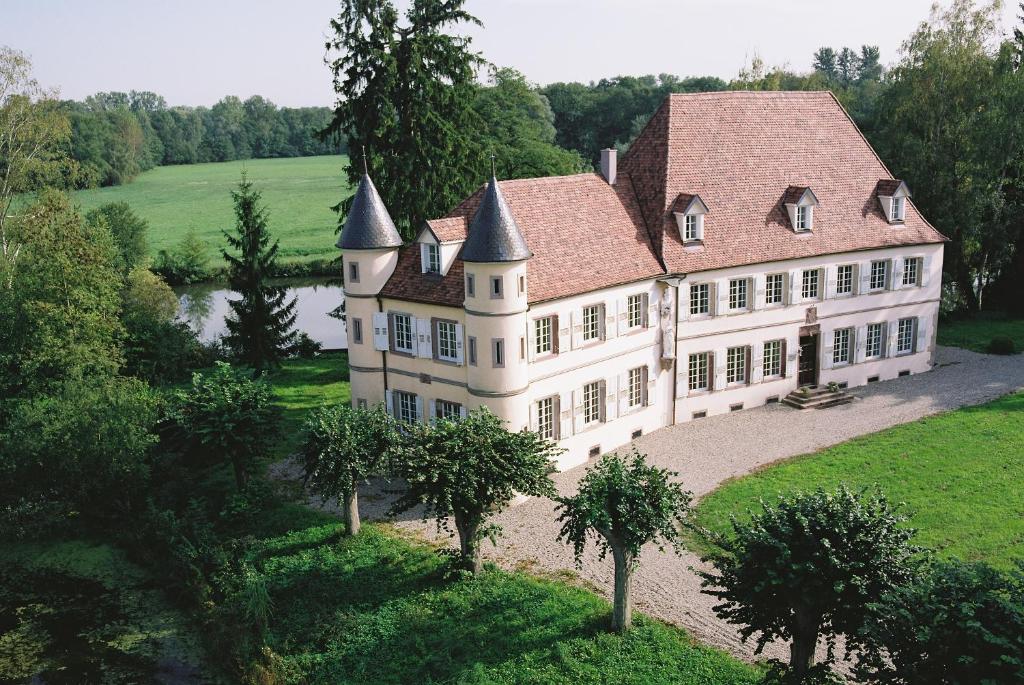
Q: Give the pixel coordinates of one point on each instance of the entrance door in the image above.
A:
(808, 364)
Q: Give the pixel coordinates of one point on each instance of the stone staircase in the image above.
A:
(816, 397)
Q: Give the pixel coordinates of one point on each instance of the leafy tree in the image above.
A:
(128, 230)
(342, 447)
(470, 469)
(186, 263)
(405, 92)
(627, 504)
(869, 65)
(957, 623)
(847, 66)
(825, 62)
(230, 415)
(808, 566)
(260, 331)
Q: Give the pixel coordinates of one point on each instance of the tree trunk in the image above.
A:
(805, 641)
(351, 511)
(241, 474)
(469, 545)
(622, 608)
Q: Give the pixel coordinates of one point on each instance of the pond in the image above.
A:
(203, 306)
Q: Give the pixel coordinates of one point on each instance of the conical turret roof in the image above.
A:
(368, 225)
(493, 234)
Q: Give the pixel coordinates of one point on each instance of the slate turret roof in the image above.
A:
(493, 233)
(368, 225)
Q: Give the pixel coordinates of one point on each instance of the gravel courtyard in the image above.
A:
(709, 451)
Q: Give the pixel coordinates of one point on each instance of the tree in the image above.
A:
(230, 415)
(628, 504)
(825, 62)
(470, 469)
(342, 447)
(847, 66)
(187, 262)
(869, 65)
(405, 93)
(809, 565)
(128, 230)
(260, 331)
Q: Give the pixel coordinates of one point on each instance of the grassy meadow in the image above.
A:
(959, 473)
(299, 193)
(975, 333)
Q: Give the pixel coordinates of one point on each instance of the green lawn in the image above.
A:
(299, 193)
(975, 333)
(304, 384)
(960, 473)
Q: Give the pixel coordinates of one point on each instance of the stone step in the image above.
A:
(817, 398)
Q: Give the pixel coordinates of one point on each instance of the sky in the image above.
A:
(193, 52)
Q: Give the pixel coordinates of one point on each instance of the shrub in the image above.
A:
(305, 347)
(186, 263)
(1001, 344)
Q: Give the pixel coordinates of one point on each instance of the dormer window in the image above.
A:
(892, 195)
(897, 209)
(689, 211)
(430, 256)
(800, 202)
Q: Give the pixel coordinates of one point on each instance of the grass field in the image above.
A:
(959, 473)
(975, 333)
(304, 384)
(299, 193)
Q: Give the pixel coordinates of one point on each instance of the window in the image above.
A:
(496, 288)
(446, 341)
(844, 279)
(773, 288)
(403, 335)
(699, 372)
(691, 228)
(546, 418)
(736, 365)
(353, 272)
(498, 351)
(522, 348)
(432, 258)
(911, 271)
(811, 283)
(592, 322)
(522, 284)
(897, 209)
(700, 298)
(879, 271)
(634, 311)
(841, 345)
(635, 387)
(405, 406)
(738, 294)
(873, 343)
(803, 218)
(905, 336)
(543, 331)
(773, 358)
(443, 409)
(357, 331)
(470, 285)
(472, 350)
(592, 402)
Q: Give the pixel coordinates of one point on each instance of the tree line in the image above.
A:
(115, 136)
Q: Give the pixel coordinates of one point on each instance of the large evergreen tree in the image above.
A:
(260, 324)
(405, 93)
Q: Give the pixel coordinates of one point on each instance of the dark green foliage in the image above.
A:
(128, 230)
(405, 92)
(305, 346)
(470, 469)
(260, 332)
(187, 263)
(958, 623)
(342, 447)
(624, 504)
(809, 565)
(1001, 344)
(229, 416)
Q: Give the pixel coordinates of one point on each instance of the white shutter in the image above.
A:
(531, 339)
(621, 315)
(898, 265)
(564, 415)
(459, 356)
(722, 297)
(864, 280)
(684, 301)
(433, 411)
(794, 286)
(423, 258)
(926, 266)
(719, 370)
(610, 403)
(380, 331)
(891, 328)
(759, 292)
(419, 408)
(462, 411)
(861, 333)
(831, 273)
(563, 324)
(389, 402)
(611, 320)
(922, 334)
(423, 347)
(577, 328)
(650, 310)
(623, 395)
(828, 351)
(577, 410)
(650, 391)
(757, 362)
(533, 417)
(792, 359)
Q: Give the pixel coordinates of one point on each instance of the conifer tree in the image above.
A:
(260, 324)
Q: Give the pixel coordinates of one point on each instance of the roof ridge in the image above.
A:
(751, 93)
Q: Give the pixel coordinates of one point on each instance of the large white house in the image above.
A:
(747, 243)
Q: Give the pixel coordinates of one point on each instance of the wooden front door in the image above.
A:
(808, 362)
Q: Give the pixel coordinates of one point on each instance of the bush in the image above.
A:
(1001, 344)
(305, 347)
(187, 263)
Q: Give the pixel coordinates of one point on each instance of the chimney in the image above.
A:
(608, 159)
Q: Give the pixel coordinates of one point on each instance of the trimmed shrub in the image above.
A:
(1001, 344)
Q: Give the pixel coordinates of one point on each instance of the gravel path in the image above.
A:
(709, 451)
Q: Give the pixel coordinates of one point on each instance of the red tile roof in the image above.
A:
(450, 229)
(887, 186)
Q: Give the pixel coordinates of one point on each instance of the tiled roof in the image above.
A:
(368, 225)
(887, 186)
(740, 151)
(408, 283)
(450, 229)
(793, 194)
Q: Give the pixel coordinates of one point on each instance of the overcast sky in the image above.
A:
(193, 52)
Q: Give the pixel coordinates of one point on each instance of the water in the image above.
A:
(205, 305)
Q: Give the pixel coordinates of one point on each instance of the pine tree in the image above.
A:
(260, 324)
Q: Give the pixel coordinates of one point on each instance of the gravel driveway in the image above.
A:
(709, 451)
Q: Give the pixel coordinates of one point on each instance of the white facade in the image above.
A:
(619, 359)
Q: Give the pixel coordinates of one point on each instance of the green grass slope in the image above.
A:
(959, 473)
(299, 193)
(975, 333)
